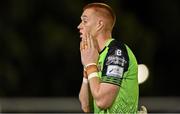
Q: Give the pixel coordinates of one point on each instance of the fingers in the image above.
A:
(85, 42)
(92, 41)
(88, 41)
(81, 46)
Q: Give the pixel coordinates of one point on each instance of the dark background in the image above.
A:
(39, 45)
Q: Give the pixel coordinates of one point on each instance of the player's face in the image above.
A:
(88, 23)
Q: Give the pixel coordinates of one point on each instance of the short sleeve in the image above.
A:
(115, 65)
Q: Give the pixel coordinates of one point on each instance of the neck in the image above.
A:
(102, 39)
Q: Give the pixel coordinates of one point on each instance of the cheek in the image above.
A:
(89, 29)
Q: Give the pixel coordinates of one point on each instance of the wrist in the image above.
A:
(92, 75)
(85, 80)
(85, 74)
(89, 64)
(91, 68)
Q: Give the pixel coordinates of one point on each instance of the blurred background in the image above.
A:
(40, 58)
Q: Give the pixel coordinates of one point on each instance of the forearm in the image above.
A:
(84, 97)
(94, 85)
(94, 82)
(103, 93)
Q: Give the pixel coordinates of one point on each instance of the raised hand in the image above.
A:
(89, 50)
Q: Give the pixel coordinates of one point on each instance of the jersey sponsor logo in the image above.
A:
(116, 60)
(115, 71)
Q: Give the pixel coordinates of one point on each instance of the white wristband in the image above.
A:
(90, 64)
(92, 75)
(85, 80)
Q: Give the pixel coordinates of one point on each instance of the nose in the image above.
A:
(79, 26)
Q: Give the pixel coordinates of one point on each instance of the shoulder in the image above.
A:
(116, 63)
(117, 49)
(117, 55)
(117, 46)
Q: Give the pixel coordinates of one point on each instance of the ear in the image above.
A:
(100, 25)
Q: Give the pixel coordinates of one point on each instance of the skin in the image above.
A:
(94, 35)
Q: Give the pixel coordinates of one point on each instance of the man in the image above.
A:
(110, 67)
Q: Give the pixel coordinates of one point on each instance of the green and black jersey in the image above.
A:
(117, 65)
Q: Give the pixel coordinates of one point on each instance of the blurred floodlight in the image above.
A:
(143, 73)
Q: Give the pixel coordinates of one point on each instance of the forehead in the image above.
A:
(87, 13)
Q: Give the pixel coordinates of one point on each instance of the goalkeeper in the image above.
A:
(110, 83)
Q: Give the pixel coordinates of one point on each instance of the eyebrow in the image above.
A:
(84, 16)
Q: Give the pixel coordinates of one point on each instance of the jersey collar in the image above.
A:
(107, 43)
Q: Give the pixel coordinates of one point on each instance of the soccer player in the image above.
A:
(110, 83)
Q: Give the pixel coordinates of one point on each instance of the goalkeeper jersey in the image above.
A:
(117, 65)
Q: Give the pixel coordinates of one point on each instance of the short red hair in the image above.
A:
(104, 10)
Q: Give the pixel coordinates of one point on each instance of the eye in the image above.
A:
(84, 21)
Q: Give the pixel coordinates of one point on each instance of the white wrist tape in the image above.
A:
(92, 75)
(90, 64)
(85, 80)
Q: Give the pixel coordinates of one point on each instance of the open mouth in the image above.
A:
(80, 34)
